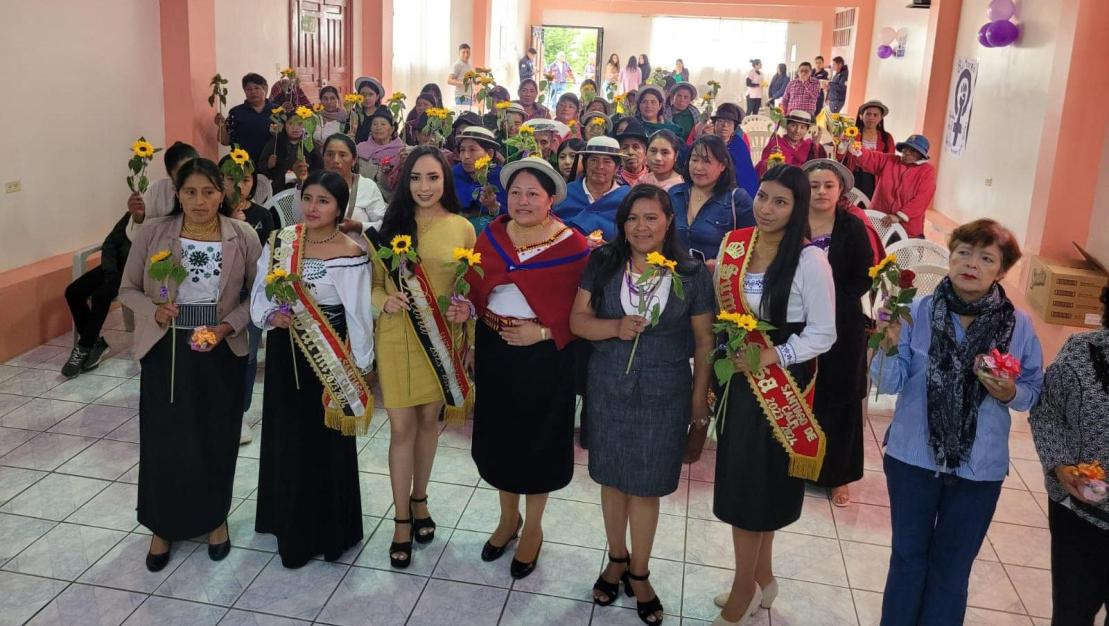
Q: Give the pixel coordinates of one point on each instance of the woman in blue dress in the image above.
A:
(480, 203)
(591, 202)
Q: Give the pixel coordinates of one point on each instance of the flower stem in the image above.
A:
(173, 357)
(293, 352)
(632, 355)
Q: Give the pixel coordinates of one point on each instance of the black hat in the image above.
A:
(469, 118)
(634, 130)
(384, 113)
(728, 111)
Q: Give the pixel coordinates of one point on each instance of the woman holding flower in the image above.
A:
(336, 118)
(771, 274)
(947, 446)
(186, 273)
(285, 153)
(796, 147)
(524, 429)
(871, 132)
(412, 126)
(476, 176)
(419, 364)
(312, 294)
(1071, 429)
(726, 121)
(841, 385)
(383, 147)
(647, 308)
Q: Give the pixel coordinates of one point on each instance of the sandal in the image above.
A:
(421, 524)
(646, 609)
(612, 590)
(841, 496)
(403, 548)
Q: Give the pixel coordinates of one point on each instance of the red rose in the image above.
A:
(905, 280)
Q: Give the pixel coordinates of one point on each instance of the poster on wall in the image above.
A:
(959, 108)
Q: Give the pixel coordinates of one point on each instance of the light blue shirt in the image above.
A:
(906, 374)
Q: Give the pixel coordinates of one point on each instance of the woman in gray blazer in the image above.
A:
(190, 339)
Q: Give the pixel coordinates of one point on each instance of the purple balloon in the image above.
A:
(982, 36)
(884, 51)
(1000, 10)
(1001, 33)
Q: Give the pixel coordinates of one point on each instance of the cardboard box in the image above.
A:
(1067, 292)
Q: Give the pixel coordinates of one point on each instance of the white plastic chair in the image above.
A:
(888, 234)
(287, 206)
(857, 197)
(758, 141)
(912, 253)
(927, 278)
(757, 123)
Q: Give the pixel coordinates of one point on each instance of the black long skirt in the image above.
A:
(524, 416)
(308, 473)
(842, 422)
(754, 490)
(188, 449)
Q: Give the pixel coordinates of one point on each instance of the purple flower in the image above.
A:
(163, 292)
(284, 308)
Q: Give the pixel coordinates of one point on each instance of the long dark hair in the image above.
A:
(611, 257)
(779, 276)
(574, 144)
(333, 184)
(400, 217)
(782, 69)
(205, 168)
(633, 63)
(717, 149)
(884, 138)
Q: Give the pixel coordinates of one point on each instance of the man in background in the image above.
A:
(820, 73)
(527, 65)
(462, 95)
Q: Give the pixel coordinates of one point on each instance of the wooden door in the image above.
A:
(319, 46)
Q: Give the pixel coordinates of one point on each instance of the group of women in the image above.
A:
(601, 289)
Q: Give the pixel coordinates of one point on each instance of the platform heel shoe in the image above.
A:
(401, 547)
(612, 590)
(420, 524)
(646, 610)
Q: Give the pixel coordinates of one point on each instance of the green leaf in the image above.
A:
(734, 341)
(906, 296)
(131, 184)
(177, 274)
(892, 351)
(444, 303)
(655, 315)
(411, 254)
(724, 370)
(761, 325)
(677, 286)
(384, 253)
(873, 341)
(480, 272)
(753, 354)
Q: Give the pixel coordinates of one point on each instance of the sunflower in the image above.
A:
(747, 323)
(401, 244)
(776, 158)
(317, 107)
(527, 130)
(483, 163)
(160, 256)
(354, 98)
(851, 132)
(468, 255)
(503, 105)
(278, 111)
(656, 259)
(239, 156)
(289, 72)
(276, 275)
(303, 112)
(142, 149)
(726, 316)
(597, 121)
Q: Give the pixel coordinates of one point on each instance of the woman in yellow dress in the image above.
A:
(419, 353)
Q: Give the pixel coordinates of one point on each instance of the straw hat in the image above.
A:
(687, 85)
(373, 82)
(540, 167)
(480, 134)
(801, 117)
(845, 174)
(876, 104)
(604, 146)
(592, 115)
(645, 89)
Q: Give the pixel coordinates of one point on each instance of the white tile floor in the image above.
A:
(72, 553)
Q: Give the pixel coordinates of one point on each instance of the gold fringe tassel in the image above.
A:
(349, 425)
(457, 415)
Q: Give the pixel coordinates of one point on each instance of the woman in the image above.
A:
(708, 204)
(841, 385)
(642, 398)
(191, 400)
(524, 432)
(905, 185)
(336, 117)
(379, 153)
(567, 108)
(648, 110)
(754, 87)
(595, 124)
(1070, 426)
(612, 73)
(802, 93)
(317, 399)
(591, 202)
(837, 87)
(796, 147)
(285, 157)
(568, 164)
(681, 72)
(644, 69)
(426, 100)
(947, 446)
(631, 76)
(372, 92)
(365, 206)
(726, 125)
(870, 121)
(239, 197)
(662, 159)
(778, 84)
(598, 105)
(480, 203)
(633, 142)
(528, 93)
(419, 365)
(770, 272)
(680, 110)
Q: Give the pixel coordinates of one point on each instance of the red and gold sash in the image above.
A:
(784, 404)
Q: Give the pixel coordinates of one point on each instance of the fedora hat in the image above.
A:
(604, 146)
(687, 85)
(373, 83)
(876, 104)
(845, 174)
(728, 111)
(633, 130)
(480, 134)
(645, 89)
(916, 142)
(514, 107)
(801, 117)
(592, 115)
(540, 167)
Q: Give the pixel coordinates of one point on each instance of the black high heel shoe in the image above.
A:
(422, 523)
(490, 552)
(612, 590)
(158, 562)
(219, 551)
(646, 610)
(519, 569)
(402, 547)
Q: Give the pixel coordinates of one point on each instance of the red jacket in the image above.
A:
(902, 190)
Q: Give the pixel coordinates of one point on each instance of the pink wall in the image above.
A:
(188, 64)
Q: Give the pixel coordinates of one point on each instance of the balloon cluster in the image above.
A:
(999, 31)
(890, 37)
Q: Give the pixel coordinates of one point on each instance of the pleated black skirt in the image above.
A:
(188, 448)
(524, 415)
(308, 473)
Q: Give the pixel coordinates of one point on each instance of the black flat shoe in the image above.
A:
(401, 547)
(219, 551)
(519, 569)
(612, 590)
(490, 552)
(646, 610)
(420, 524)
(158, 562)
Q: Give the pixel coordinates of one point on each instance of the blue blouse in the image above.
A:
(746, 178)
(713, 221)
(906, 374)
(577, 211)
(464, 187)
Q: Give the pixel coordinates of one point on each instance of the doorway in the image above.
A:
(571, 53)
(320, 44)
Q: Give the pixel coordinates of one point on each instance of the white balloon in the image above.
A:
(887, 35)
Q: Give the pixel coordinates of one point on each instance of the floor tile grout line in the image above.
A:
(431, 572)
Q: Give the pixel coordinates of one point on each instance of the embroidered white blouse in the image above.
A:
(203, 261)
(342, 280)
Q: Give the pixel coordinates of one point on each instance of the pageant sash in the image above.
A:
(438, 339)
(347, 399)
(784, 404)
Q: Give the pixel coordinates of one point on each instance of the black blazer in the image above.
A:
(843, 368)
